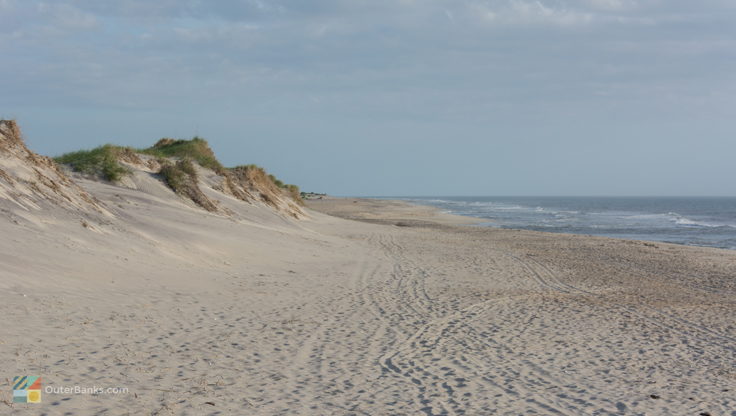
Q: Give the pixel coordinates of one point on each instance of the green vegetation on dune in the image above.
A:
(181, 177)
(101, 161)
(262, 171)
(196, 149)
(276, 181)
(258, 175)
(252, 170)
(179, 174)
(295, 194)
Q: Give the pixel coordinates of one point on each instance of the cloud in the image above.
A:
(359, 52)
(613, 5)
(67, 16)
(537, 12)
(333, 72)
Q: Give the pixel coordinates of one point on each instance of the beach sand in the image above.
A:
(392, 309)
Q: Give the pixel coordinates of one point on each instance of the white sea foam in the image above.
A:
(682, 220)
(615, 217)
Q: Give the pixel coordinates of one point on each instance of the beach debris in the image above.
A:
(654, 396)
(210, 403)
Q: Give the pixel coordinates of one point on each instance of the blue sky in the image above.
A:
(403, 97)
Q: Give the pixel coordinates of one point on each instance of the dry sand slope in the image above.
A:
(258, 313)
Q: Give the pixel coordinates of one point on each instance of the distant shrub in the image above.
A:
(101, 161)
(196, 149)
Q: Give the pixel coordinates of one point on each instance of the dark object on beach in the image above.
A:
(654, 396)
(210, 403)
(704, 414)
(403, 224)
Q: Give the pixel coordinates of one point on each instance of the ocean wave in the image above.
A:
(431, 201)
(682, 220)
(490, 207)
(594, 219)
(687, 221)
(678, 219)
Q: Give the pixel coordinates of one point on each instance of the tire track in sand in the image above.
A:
(435, 395)
(550, 279)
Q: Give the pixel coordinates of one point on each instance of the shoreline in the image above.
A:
(487, 222)
(389, 211)
(407, 213)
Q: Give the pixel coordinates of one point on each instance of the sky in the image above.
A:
(402, 97)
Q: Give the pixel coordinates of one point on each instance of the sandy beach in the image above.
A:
(368, 208)
(360, 307)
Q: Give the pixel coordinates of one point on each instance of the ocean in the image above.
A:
(696, 221)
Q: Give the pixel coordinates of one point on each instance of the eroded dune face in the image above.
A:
(31, 182)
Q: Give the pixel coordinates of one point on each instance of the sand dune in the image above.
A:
(249, 310)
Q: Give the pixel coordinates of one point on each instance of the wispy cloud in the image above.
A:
(530, 12)
(67, 16)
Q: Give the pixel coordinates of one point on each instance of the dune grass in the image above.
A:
(276, 181)
(12, 131)
(295, 193)
(181, 177)
(196, 149)
(178, 175)
(101, 161)
(258, 175)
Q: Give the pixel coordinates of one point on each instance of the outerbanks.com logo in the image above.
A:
(94, 390)
(27, 389)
